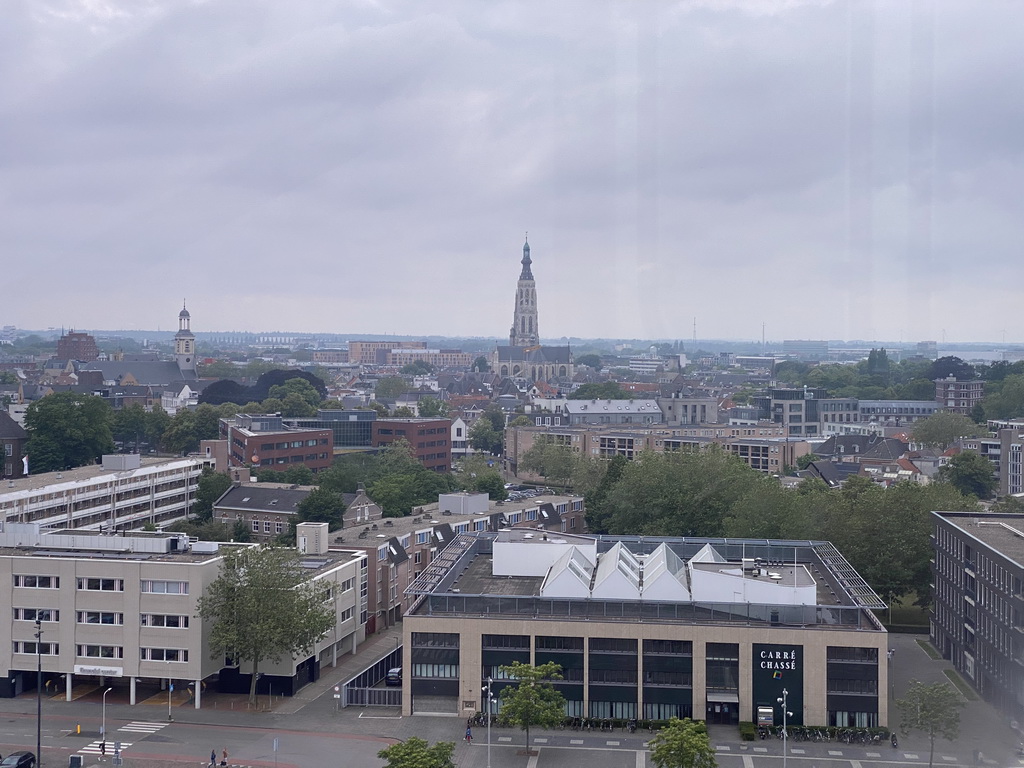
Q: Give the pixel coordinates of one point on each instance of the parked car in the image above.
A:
(21, 759)
(393, 677)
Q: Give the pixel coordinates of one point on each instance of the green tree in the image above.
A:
(129, 424)
(683, 744)
(591, 361)
(390, 387)
(431, 407)
(418, 368)
(1006, 401)
(943, 428)
(212, 485)
(555, 462)
(483, 437)
(322, 506)
(298, 395)
(802, 462)
(971, 474)
(491, 483)
(933, 709)
(532, 699)
(157, 422)
(414, 752)
(298, 474)
(263, 607)
(67, 430)
(606, 390)
(481, 365)
(403, 412)
(953, 366)
(220, 369)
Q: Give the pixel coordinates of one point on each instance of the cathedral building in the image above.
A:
(525, 357)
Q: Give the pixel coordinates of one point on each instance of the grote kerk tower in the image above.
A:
(525, 332)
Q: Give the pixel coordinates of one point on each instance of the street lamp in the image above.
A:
(39, 691)
(785, 719)
(892, 683)
(170, 690)
(103, 726)
(490, 699)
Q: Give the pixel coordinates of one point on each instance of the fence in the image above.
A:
(361, 690)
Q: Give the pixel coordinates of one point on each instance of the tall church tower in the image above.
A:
(525, 332)
(185, 343)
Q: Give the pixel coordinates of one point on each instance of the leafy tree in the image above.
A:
(522, 420)
(67, 430)
(212, 530)
(802, 462)
(971, 474)
(300, 398)
(390, 387)
(430, 407)
(157, 422)
(322, 506)
(212, 485)
(933, 710)
(418, 368)
(414, 752)
(950, 365)
(298, 474)
(496, 416)
(263, 607)
(403, 412)
(943, 428)
(220, 369)
(129, 424)
(491, 483)
(348, 471)
(380, 408)
(555, 462)
(483, 437)
(481, 365)
(532, 699)
(606, 390)
(591, 361)
(683, 744)
(8, 377)
(1007, 400)
(917, 389)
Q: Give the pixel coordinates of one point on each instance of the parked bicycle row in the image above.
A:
(843, 735)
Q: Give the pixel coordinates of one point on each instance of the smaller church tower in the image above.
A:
(525, 332)
(185, 344)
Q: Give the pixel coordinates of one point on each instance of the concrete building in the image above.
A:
(123, 610)
(612, 412)
(365, 352)
(438, 358)
(958, 396)
(123, 493)
(978, 600)
(649, 628)
(266, 441)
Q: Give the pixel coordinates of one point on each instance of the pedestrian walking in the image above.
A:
(213, 758)
(469, 735)
(103, 748)
(224, 756)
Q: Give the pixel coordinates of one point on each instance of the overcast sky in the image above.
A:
(829, 169)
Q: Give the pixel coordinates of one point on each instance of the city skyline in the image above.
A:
(832, 170)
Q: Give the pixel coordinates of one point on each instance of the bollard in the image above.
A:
(78, 729)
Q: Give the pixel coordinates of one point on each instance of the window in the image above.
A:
(346, 614)
(36, 614)
(278, 527)
(163, 654)
(99, 617)
(100, 651)
(422, 536)
(101, 585)
(162, 620)
(266, 526)
(165, 587)
(347, 585)
(255, 526)
(417, 557)
(37, 582)
(29, 646)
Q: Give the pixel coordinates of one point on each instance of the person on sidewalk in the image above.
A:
(213, 758)
(224, 756)
(469, 735)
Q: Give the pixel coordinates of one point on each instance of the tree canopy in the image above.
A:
(263, 606)
(971, 474)
(933, 709)
(67, 430)
(390, 387)
(212, 485)
(605, 390)
(943, 428)
(591, 361)
(683, 744)
(531, 700)
(322, 506)
(414, 752)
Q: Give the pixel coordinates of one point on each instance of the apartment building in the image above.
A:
(122, 610)
(123, 493)
(429, 438)
(649, 628)
(958, 396)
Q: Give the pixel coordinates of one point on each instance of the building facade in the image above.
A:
(978, 601)
(266, 441)
(123, 611)
(650, 628)
(77, 346)
(124, 493)
(525, 330)
(430, 439)
(958, 396)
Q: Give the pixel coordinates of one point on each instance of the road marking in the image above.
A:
(836, 752)
(140, 726)
(949, 759)
(910, 756)
(575, 741)
(364, 716)
(855, 763)
(504, 738)
(748, 761)
(534, 758)
(796, 751)
(760, 749)
(94, 748)
(722, 747)
(540, 741)
(873, 754)
(612, 743)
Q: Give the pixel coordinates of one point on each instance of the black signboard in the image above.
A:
(778, 668)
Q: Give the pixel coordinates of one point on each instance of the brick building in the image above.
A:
(430, 439)
(265, 441)
(77, 346)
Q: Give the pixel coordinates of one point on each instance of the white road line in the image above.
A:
(612, 743)
(748, 761)
(949, 759)
(575, 741)
(796, 751)
(836, 752)
(722, 747)
(760, 749)
(910, 756)
(873, 754)
(504, 738)
(540, 741)
(94, 747)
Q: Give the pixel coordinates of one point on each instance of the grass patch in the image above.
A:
(927, 648)
(960, 684)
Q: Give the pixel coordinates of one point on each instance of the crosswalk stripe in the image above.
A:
(94, 747)
(140, 726)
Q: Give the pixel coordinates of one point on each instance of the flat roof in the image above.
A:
(68, 477)
(1002, 532)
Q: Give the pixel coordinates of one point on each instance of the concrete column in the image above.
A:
(700, 680)
(334, 654)
(67, 686)
(131, 690)
(198, 685)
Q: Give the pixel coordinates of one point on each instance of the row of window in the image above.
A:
(100, 651)
(101, 617)
(151, 586)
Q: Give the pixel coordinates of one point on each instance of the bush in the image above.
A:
(747, 731)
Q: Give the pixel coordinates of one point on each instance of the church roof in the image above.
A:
(147, 374)
(538, 354)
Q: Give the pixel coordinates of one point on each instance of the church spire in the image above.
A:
(525, 331)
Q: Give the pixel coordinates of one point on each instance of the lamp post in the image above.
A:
(103, 726)
(170, 690)
(892, 683)
(488, 715)
(785, 720)
(39, 691)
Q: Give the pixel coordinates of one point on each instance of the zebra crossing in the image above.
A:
(137, 726)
